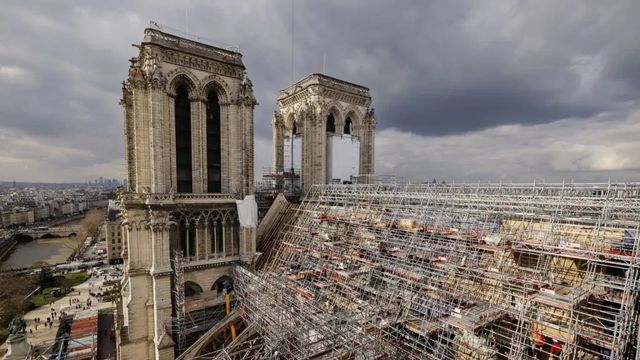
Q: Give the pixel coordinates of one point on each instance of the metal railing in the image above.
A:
(192, 37)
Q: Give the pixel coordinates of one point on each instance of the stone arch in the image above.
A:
(23, 237)
(215, 82)
(179, 77)
(334, 109)
(352, 113)
(290, 124)
(191, 288)
(223, 282)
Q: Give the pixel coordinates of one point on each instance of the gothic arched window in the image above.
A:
(183, 140)
(214, 172)
(347, 126)
(331, 124)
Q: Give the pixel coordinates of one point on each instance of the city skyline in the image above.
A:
(465, 92)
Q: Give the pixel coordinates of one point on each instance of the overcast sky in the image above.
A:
(465, 91)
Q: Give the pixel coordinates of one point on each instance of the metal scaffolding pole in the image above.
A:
(451, 271)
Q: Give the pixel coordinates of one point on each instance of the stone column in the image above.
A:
(129, 134)
(366, 133)
(224, 147)
(224, 238)
(248, 147)
(156, 121)
(161, 315)
(171, 104)
(160, 246)
(321, 147)
(207, 239)
(308, 151)
(142, 145)
(233, 149)
(197, 164)
(198, 240)
(139, 308)
(161, 285)
(277, 126)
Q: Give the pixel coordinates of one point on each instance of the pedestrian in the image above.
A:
(30, 331)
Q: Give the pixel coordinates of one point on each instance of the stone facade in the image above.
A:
(306, 106)
(160, 217)
(113, 237)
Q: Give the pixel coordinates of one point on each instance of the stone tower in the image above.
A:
(314, 110)
(188, 109)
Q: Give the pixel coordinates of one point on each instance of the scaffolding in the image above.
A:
(451, 271)
(179, 319)
(193, 316)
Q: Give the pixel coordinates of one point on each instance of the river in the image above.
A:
(50, 251)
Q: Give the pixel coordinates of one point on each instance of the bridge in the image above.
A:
(47, 232)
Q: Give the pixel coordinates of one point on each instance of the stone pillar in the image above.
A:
(308, 152)
(196, 144)
(321, 147)
(233, 149)
(201, 240)
(17, 347)
(224, 147)
(171, 104)
(156, 121)
(162, 316)
(367, 147)
(225, 244)
(278, 144)
(207, 239)
(160, 242)
(167, 143)
(248, 244)
(142, 144)
(130, 136)
(202, 144)
(248, 147)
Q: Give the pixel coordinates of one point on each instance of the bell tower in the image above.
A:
(312, 115)
(188, 118)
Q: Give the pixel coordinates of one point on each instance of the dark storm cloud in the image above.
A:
(434, 68)
(445, 68)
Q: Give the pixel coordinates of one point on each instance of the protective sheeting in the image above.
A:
(342, 158)
(248, 211)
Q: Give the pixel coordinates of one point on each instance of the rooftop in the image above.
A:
(170, 38)
(326, 81)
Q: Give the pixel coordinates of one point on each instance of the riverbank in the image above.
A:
(50, 251)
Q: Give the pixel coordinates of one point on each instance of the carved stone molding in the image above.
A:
(196, 62)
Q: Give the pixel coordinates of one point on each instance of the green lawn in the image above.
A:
(77, 278)
(69, 280)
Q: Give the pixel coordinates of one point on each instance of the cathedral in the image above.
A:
(189, 214)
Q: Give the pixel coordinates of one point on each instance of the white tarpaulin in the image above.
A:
(248, 211)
